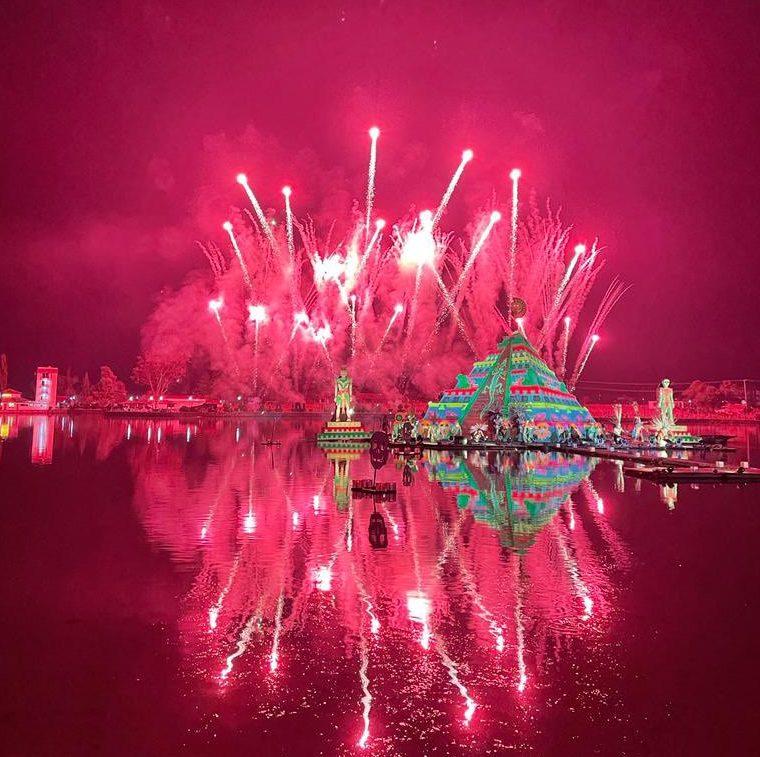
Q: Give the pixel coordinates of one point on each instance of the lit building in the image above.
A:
(47, 387)
(10, 399)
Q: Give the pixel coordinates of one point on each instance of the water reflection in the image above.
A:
(43, 433)
(478, 605)
(487, 566)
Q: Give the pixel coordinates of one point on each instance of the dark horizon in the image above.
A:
(125, 126)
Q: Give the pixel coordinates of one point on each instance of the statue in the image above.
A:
(343, 432)
(617, 429)
(666, 404)
(343, 396)
(638, 425)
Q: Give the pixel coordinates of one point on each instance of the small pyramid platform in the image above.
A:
(514, 379)
(343, 436)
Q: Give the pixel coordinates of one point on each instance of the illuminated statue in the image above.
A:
(617, 429)
(344, 396)
(638, 426)
(666, 404)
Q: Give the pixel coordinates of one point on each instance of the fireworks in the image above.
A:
(374, 133)
(467, 156)
(227, 226)
(404, 305)
(514, 175)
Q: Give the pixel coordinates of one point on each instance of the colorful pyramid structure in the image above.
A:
(513, 380)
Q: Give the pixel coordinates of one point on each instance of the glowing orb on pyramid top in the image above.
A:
(518, 308)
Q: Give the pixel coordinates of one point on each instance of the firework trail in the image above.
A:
(591, 344)
(287, 192)
(467, 156)
(578, 252)
(242, 179)
(374, 133)
(215, 306)
(227, 226)
(257, 314)
(215, 259)
(565, 345)
(397, 310)
(514, 175)
(379, 226)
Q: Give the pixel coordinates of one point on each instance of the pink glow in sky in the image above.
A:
(121, 132)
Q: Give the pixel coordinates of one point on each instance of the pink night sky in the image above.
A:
(125, 123)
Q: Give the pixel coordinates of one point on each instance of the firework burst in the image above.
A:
(404, 310)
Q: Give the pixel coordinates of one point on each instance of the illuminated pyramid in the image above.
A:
(513, 380)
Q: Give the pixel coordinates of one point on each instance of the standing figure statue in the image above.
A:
(638, 426)
(617, 429)
(344, 396)
(667, 404)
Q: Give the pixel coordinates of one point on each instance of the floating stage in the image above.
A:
(612, 453)
(694, 476)
(651, 467)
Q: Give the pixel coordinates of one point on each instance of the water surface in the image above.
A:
(187, 587)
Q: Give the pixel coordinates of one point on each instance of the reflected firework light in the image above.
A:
(266, 608)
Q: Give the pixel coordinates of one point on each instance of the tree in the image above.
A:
(731, 391)
(109, 390)
(157, 372)
(86, 387)
(67, 384)
(3, 371)
(702, 394)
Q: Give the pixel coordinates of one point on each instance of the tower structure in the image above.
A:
(47, 387)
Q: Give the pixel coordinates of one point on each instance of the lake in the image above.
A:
(177, 586)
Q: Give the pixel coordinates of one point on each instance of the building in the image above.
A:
(10, 399)
(45, 396)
